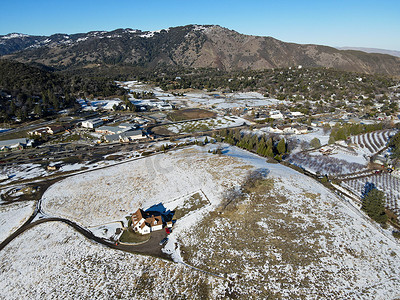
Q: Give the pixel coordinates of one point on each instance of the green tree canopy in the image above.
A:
(281, 146)
(373, 205)
(315, 143)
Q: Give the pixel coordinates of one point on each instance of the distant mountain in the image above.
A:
(187, 46)
(372, 50)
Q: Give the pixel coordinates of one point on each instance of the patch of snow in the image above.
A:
(63, 264)
(81, 39)
(14, 35)
(13, 215)
(110, 231)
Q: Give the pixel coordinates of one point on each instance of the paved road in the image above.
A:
(151, 247)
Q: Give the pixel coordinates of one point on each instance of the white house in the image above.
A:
(53, 129)
(295, 114)
(92, 123)
(276, 114)
(145, 223)
(165, 106)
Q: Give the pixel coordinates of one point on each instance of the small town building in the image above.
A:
(92, 123)
(125, 137)
(15, 144)
(116, 129)
(295, 114)
(53, 129)
(276, 114)
(38, 132)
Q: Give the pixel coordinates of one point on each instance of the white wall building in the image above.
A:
(92, 123)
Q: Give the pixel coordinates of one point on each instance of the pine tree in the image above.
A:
(315, 143)
(373, 203)
(269, 151)
(281, 146)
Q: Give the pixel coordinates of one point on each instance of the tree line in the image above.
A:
(267, 146)
(344, 131)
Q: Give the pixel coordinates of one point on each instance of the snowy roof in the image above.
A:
(131, 133)
(93, 121)
(14, 142)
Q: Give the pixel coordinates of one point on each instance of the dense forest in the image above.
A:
(312, 83)
(284, 83)
(32, 91)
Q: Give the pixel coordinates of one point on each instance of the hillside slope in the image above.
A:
(187, 46)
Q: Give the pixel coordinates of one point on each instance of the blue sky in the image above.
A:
(365, 23)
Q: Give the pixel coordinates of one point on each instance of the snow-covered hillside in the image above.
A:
(109, 194)
(52, 261)
(288, 237)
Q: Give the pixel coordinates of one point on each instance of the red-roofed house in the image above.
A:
(144, 223)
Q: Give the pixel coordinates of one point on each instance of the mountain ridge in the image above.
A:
(196, 46)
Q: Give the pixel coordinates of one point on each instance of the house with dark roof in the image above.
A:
(53, 129)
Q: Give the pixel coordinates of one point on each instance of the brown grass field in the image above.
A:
(190, 114)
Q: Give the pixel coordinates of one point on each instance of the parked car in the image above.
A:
(163, 241)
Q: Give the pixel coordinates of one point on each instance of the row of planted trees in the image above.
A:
(342, 132)
(267, 146)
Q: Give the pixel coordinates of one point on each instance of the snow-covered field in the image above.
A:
(346, 157)
(52, 261)
(231, 100)
(316, 133)
(22, 171)
(107, 195)
(298, 240)
(111, 231)
(209, 124)
(32, 171)
(291, 239)
(203, 99)
(370, 143)
(13, 215)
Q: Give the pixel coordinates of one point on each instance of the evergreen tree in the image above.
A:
(269, 151)
(373, 203)
(315, 143)
(281, 148)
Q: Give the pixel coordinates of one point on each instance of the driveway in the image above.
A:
(151, 247)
